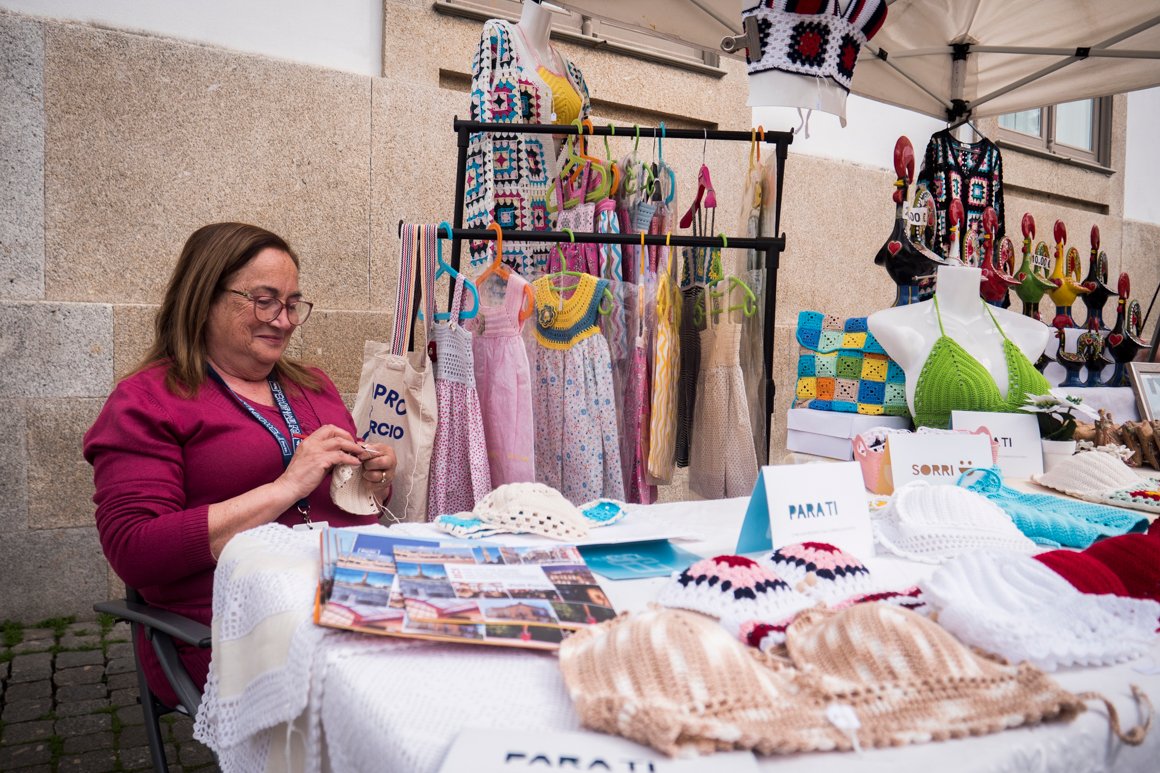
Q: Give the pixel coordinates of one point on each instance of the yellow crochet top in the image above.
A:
(566, 101)
(562, 323)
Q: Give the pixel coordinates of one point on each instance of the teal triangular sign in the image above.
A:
(755, 530)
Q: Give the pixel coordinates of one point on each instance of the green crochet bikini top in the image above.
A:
(951, 379)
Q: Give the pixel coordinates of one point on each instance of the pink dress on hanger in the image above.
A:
(503, 382)
(460, 474)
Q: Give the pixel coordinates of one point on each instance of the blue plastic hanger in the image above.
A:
(443, 268)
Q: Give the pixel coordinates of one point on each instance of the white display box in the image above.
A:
(829, 433)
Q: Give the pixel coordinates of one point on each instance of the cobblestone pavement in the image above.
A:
(68, 702)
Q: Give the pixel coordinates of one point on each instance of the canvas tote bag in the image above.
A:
(396, 403)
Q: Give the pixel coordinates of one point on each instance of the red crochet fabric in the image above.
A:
(1128, 565)
(159, 461)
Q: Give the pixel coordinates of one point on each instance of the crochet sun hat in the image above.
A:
(808, 51)
(530, 508)
(732, 588)
(1015, 607)
(1096, 476)
(678, 683)
(930, 523)
(820, 570)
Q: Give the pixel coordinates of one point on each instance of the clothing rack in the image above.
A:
(771, 246)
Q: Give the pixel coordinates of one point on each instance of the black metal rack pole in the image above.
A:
(770, 137)
(591, 237)
(772, 246)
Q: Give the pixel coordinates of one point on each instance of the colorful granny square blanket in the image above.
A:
(842, 367)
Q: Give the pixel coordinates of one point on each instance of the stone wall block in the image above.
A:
(132, 336)
(50, 572)
(13, 467)
(149, 139)
(56, 350)
(333, 341)
(60, 481)
(22, 162)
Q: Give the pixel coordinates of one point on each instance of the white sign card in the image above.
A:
(478, 750)
(822, 502)
(936, 458)
(1016, 434)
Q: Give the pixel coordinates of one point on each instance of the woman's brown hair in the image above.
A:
(212, 253)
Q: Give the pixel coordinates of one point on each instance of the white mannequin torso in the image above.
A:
(534, 31)
(908, 333)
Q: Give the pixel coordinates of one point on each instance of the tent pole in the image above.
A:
(1143, 26)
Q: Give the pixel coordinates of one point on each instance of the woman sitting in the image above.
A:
(217, 431)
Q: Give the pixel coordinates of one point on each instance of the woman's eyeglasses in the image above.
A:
(267, 308)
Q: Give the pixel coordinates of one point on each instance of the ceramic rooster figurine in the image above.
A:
(1090, 346)
(911, 269)
(1065, 277)
(1033, 284)
(1072, 362)
(996, 282)
(1124, 340)
(1097, 282)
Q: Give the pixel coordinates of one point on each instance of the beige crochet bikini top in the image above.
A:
(870, 675)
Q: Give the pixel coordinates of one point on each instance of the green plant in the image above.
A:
(13, 633)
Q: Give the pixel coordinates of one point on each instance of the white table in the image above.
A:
(369, 703)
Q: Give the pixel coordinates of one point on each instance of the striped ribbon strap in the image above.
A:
(427, 282)
(405, 294)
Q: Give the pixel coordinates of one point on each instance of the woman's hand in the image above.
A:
(317, 454)
(378, 467)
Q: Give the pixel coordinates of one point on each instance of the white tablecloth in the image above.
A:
(377, 704)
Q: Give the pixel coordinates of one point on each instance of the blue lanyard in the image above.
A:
(287, 447)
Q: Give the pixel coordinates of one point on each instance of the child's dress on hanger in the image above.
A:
(577, 444)
(460, 474)
(504, 382)
(722, 460)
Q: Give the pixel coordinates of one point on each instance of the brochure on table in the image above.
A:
(528, 597)
(633, 561)
(490, 750)
(822, 502)
(1015, 434)
(936, 458)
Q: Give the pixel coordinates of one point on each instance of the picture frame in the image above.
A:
(1145, 378)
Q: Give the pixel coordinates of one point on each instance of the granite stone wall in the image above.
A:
(114, 146)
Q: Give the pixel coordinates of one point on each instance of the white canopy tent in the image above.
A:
(956, 58)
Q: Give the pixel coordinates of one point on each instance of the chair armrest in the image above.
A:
(171, 623)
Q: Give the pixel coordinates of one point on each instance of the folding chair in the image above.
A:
(160, 627)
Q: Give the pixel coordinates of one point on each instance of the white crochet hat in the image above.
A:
(928, 523)
(1013, 606)
(533, 508)
(731, 589)
(1097, 476)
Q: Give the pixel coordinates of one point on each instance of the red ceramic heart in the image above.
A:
(893, 247)
(1115, 339)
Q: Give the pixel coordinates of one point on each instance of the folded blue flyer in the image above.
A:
(633, 560)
